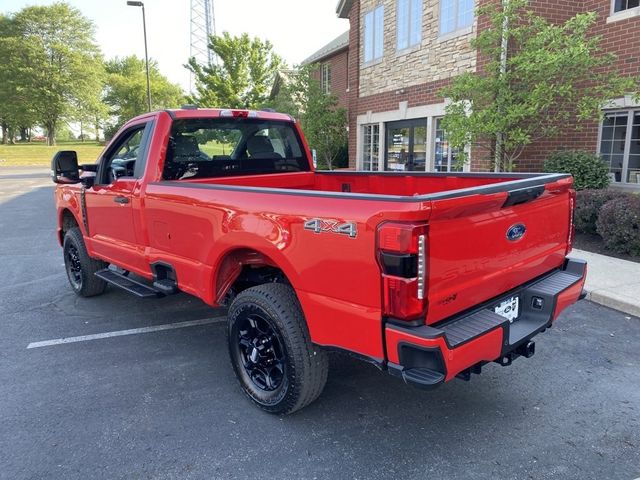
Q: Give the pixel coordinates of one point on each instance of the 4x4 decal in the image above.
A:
(323, 225)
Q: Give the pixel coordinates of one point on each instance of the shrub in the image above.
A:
(588, 170)
(619, 224)
(588, 205)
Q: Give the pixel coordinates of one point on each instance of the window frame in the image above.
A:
(370, 127)
(622, 14)
(147, 127)
(618, 12)
(449, 149)
(325, 78)
(375, 36)
(458, 30)
(412, 42)
(624, 172)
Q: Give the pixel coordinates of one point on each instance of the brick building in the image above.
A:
(402, 52)
(332, 72)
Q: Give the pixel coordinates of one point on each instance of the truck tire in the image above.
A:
(271, 352)
(80, 266)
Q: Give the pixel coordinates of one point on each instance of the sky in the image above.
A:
(296, 28)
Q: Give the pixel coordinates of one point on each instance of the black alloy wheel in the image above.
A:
(74, 267)
(80, 267)
(261, 352)
(270, 349)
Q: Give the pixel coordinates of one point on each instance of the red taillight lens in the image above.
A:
(402, 255)
(400, 299)
(572, 224)
(397, 238)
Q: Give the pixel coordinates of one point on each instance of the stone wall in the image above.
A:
(435, 58)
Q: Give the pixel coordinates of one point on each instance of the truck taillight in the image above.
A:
(402, 255)
(572, 224)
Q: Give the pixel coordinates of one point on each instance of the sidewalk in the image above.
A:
(612, 282)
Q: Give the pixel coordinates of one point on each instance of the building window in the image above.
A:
(620, 145)
(621, 5)
(408, 23)
(455, 15)
(446, 158)
(373, 34)
(371, 147)
(325, 79)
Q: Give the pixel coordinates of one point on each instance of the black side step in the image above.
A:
(165, 286)
(137, 288)
(422, 377)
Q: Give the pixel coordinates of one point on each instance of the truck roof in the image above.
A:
(228, 112)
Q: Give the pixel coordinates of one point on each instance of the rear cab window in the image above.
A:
(216, 147)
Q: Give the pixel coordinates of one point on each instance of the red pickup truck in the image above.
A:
(429, 276)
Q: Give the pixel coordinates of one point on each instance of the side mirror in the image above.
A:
(64, 167)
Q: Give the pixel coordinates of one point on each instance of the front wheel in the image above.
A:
(81, 268)
(271, 352)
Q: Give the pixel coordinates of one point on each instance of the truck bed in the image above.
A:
(468, 216)
(369, 185)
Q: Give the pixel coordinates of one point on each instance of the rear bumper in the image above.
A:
(427, 356)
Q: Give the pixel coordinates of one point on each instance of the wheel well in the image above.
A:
(245, 268)
(68, 221)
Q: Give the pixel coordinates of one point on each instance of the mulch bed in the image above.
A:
(594, 244)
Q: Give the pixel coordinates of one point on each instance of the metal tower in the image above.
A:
(203, 25)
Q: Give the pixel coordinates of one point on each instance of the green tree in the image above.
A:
(55, 62)
(126, 88)
(243, 76)
(550, 77)
(16, 109)
(323, 121)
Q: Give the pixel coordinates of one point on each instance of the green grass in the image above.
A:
(215, 148)
(38, 154)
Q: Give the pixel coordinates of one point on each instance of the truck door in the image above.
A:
(113, 200)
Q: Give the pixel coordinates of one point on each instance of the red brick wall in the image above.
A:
(338, 63)
(620, 38)
(416, 95)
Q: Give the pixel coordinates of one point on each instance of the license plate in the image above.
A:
(509, 309)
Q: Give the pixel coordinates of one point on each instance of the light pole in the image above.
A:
(146, 54)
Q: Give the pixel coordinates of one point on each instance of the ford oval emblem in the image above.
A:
(516, 232)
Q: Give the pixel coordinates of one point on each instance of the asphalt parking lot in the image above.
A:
(165, 404)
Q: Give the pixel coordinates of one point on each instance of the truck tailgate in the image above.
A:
(480, 247)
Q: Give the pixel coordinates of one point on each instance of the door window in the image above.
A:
(407, 146)
(127, 157)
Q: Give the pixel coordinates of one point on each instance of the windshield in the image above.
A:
(207, 148)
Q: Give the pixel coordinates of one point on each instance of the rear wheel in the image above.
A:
(81, 268)
(271, 352)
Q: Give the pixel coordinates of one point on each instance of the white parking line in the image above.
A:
(120, 333)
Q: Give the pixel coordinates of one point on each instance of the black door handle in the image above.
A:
(121, 200)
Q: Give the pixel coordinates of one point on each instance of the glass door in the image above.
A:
(406, 146)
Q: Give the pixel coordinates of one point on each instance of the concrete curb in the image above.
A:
(608, 300)
(612, 282)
